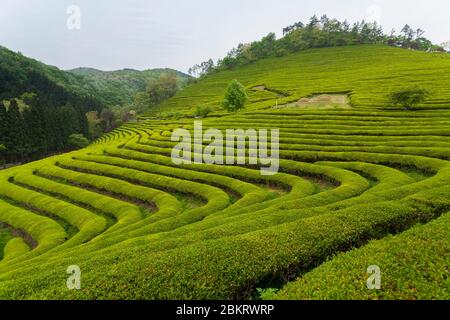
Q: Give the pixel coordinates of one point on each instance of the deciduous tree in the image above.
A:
(235, 97)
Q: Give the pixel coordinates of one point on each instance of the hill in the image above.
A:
(139, 226)
(120, 87)
(52, 103)
(366, 73)
(40, 107)
(20, 74)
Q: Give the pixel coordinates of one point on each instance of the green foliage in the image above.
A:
(202, 112)
(94, 124)
(317, 33)
(40, 107)
(53, 103)
(15, 248)
(21, 75)
(409, 97)
(120, 87)
(5, 237)
(24, 77)
(367, 74)
(348, 177)
(202, 68)
(170, 115)
(235, 97)
(158, 90)
(109, 121)
(47, 232)
(78, 141)
(267, 294)
(408, 273)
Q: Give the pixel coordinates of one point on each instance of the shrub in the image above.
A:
(78, 141)
(266, 294)
(170, 115)
(202, 112)
(46, 232)
(409, 97)
(398, 257)
(15, 248)
(235, 97)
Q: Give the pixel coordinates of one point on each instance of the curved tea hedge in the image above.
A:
(407, 273)
(352, 183)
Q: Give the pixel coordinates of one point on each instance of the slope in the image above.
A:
(120, 87)
(141, 227)
(367, 73)
(20, 74)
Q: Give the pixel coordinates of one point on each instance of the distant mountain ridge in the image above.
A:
(119, 87)
(20, 74)
(42, 106)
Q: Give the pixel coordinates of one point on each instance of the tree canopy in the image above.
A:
(158, 90)
(30, 131)
(235, 97)
(78, 141)
(409, 97)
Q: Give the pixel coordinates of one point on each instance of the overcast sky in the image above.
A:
(144, 34)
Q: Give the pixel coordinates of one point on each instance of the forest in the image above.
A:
(45, 111)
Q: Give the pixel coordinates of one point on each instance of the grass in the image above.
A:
(353, 185)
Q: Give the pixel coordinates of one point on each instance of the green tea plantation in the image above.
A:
(361, 183)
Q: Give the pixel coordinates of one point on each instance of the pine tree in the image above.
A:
(15, 133)
(3, 115)
(35, 131)
(2, 122)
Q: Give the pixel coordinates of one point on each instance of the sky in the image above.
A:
(145, 34)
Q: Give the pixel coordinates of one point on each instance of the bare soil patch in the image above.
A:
(321, 101)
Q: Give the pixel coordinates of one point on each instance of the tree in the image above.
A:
(235, 97)
(445, 45)
(95, 130)
(129, 116)
(107, 117)
(163, 88)
(36, 131)
(15, 133)
(313, 22)
(69, 121)
(409, 97)
(202, 69)
(3, 128)
(2, 152)
(78, 141)
(158, 90)
(408, 32)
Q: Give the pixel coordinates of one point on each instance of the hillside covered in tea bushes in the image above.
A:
(361, 182)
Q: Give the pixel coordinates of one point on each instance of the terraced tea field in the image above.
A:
(351, 179)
